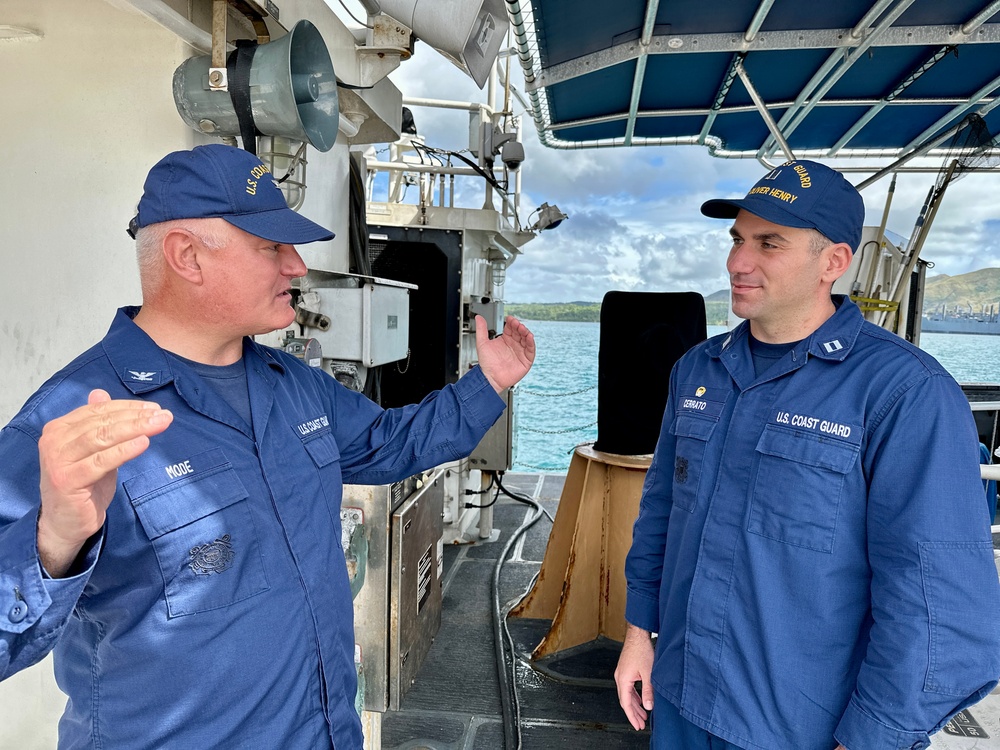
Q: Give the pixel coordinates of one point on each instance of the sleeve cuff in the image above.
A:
(642, 611)
(24, 596)
(858, 730)
(26, 591)
(486, 408)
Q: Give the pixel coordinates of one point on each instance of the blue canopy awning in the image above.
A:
(872, 78)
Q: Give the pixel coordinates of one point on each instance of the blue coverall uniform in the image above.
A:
(214, 609)
(812, 544)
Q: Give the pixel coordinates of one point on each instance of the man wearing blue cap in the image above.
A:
(812, 547)
(169, 502)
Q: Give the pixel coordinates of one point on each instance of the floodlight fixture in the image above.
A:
(467, 32)
(549, 217)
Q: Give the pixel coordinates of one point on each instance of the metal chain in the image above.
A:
(550, 469)
(559, 432)
(554, 395)
(404, 370)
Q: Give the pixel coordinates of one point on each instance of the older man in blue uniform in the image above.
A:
(169, 501)
(812, 546)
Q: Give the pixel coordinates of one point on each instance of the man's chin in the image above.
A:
(741, 309)
(275, 325)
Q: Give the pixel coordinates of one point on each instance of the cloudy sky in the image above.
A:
(634, 222)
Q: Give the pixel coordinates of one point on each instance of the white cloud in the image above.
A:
(634, 213)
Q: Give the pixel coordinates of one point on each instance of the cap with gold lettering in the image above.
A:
(225, 182)
(803, 194)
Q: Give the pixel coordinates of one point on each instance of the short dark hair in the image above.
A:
(818, 241)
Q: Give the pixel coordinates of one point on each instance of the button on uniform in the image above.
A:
(18, 612)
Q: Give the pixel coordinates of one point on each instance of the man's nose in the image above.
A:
(292, 264)
(739, 260)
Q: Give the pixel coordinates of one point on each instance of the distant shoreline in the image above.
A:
(974, 292)
(716, 312)
(960, 325)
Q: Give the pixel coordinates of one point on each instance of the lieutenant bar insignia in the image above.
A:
(832, 346)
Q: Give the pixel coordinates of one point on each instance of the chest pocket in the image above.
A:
(800, 478)
(322, 449)
(691, 434)
(203, 535)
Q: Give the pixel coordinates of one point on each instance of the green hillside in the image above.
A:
(977, 288)
(576, 312)
(590, 312)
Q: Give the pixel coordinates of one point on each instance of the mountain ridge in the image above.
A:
(976, 288)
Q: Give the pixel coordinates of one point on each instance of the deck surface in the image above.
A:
(454, 703)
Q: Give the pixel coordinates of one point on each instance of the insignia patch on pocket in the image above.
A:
(213, 557)
(680, 470)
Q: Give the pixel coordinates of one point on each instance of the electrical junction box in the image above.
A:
(397, 612)
(415, 586)
(370, 323)
(492, 311)
(495, 451)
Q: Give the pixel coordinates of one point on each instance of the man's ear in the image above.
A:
(180, 250)
(838, 259)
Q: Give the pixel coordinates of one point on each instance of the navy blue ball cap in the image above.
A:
(223, 182)
(803, 194)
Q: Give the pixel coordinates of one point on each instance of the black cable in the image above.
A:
(476, 168)
(509, 707)
(358, 229)
(586, 682)
(521, 498)
(493, 480)
(296, 160)
(490, 504)
(861, 257)
(352, 87)
(373, 384)
(509, 704)
(420, 152)
(423, 150)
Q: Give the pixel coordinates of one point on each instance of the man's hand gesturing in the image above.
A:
(79, 455)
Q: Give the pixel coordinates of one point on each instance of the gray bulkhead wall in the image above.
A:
(86, 110)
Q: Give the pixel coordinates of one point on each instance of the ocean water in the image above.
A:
(556, 403)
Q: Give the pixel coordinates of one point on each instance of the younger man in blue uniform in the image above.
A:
(169, 501)
(812, 546)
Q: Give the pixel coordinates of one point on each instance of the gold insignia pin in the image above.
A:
(700, 392)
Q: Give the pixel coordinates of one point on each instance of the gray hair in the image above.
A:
(149, 245)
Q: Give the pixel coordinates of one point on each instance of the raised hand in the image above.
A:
(508, 357)
(79, 455)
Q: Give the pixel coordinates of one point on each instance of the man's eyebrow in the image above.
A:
(769, 237)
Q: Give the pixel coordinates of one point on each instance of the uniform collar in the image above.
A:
(832, 341)
(142, 366)
(835, 339)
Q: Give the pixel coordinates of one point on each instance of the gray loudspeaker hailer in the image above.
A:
(293, 91)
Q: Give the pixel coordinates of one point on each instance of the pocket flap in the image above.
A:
(175, 502)
(809, 449)
(322, 448)
(698, 428)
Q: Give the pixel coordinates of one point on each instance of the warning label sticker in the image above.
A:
(424, 579)
(963, 724)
